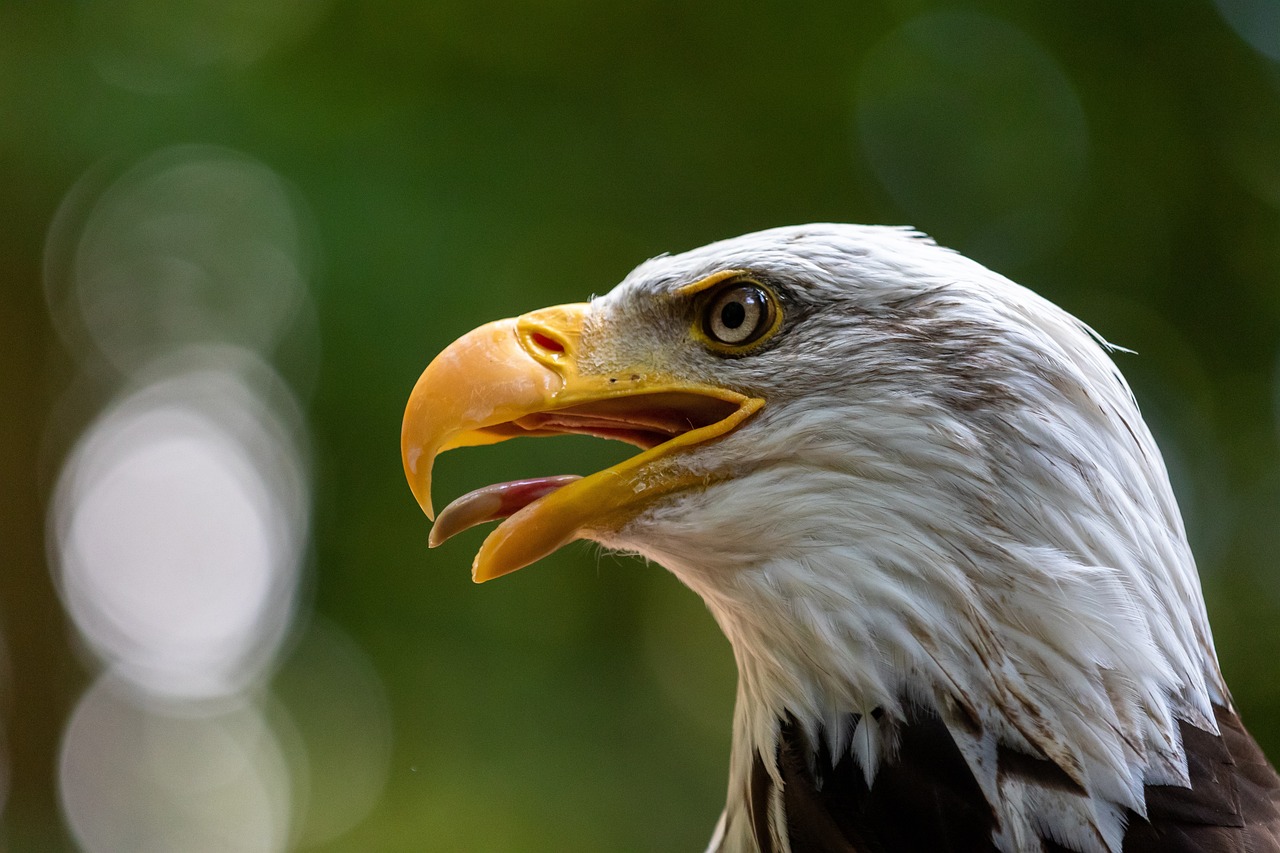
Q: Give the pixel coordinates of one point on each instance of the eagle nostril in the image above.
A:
(546, 342)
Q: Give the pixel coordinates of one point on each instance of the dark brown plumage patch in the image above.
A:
(1037, 771)
(927, 801)
(1233, 803)
(761, 793)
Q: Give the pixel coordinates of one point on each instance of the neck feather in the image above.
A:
(1030, 597)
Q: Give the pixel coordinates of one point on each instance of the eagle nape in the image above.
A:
(973, 621)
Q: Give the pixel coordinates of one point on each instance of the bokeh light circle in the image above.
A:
(976, 132)
(178, 526)
(1255, 21)
(196, 244)
(151, 47)
(339, 710)
(141, 776)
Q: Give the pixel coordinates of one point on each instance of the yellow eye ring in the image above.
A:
(738, 316)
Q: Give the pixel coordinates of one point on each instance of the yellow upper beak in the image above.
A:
(521, 376)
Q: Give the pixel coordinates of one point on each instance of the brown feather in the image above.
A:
(1233, 803)
(926, 799)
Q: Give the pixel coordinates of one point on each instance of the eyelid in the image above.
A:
(709, 282)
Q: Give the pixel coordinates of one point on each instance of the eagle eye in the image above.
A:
(740, 314)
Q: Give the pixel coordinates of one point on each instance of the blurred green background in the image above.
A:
(312, 197)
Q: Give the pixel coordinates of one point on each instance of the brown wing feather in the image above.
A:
(1233, 803)
(927, 800)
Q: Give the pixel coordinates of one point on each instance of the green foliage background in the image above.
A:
(461, 160)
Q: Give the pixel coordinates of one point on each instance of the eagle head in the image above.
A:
(919, 500)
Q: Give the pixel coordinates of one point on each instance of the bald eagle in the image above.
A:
(922, 505)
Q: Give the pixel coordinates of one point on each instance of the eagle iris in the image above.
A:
(740, 314)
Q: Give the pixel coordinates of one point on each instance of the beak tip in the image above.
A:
(424, 503)
(484, 568)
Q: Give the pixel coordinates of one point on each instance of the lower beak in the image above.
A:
(521, 377)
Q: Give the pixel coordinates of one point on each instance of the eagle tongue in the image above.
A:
(492, 503)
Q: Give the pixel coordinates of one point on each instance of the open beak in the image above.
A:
(520, 377)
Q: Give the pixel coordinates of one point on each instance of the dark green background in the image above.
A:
(461, 161)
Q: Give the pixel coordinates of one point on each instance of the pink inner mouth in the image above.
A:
(492, 503)
(644, 420)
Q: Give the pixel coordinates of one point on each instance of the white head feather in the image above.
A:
(950, 502)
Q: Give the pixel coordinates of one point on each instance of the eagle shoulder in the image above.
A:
(1233, 803)
(927, 799)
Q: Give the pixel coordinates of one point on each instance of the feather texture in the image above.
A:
(949, 562)
(928, 801)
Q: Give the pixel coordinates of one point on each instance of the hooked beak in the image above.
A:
(521, 377)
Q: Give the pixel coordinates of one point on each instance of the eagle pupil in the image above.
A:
(739, 315)
(733, 315)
